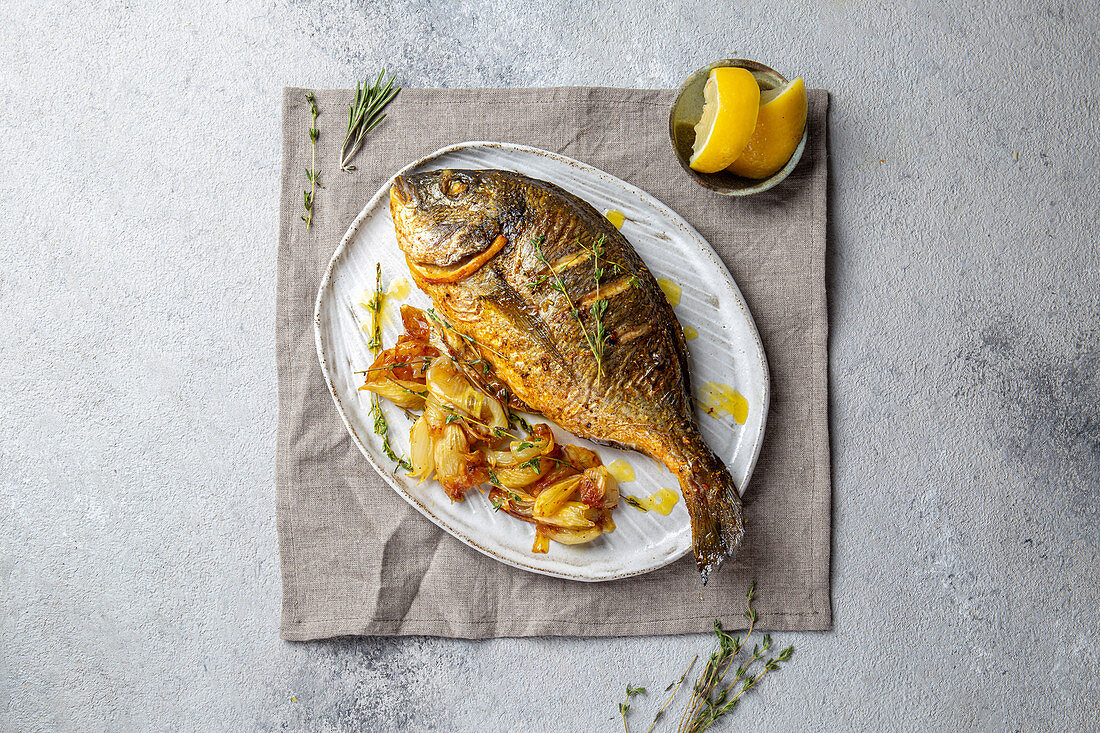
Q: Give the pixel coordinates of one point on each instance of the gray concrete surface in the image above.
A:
(139, 585)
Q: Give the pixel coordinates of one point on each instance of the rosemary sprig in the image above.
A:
(624, 706)
(311, 172)
(364, 114)
(557, 284)
(374, 305)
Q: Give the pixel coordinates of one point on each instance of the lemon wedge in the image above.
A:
(778, 131)
(731, 101)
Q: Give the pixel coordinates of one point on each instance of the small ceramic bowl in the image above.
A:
(688, 108)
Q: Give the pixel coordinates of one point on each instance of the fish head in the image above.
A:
(445, 217)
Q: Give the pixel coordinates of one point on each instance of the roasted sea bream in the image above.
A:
(570, 319)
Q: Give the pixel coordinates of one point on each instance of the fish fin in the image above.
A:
(513, 305)
(717, 522)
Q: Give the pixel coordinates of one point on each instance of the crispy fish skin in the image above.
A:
(478, 243)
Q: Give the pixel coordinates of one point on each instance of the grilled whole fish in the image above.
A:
(518, 265)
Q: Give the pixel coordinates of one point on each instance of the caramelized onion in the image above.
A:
(421, 450)
(416, 323)
(435, 414)
(580, 457)
(514, 502)
(452, 389)
(493, 413)
(562, 489)
(409, 395)
(451, 453)
(554, 496)
(523, 475)
(542, 541)
(598, 488)
(540, 442)
(571, 515)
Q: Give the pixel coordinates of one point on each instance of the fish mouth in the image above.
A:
(459, 270)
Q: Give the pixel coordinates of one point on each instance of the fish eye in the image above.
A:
(452, 187)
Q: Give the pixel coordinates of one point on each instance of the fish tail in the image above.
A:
(717, 522)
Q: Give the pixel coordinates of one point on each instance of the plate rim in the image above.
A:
(633, 190)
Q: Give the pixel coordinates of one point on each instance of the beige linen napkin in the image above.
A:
(356, 559)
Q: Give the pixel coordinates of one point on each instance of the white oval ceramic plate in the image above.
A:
(726, 351)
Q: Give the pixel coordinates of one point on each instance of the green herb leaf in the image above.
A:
(364, 114)
(311, 172)
(375, 308)
(558, 285)
(518, 420)
(624, 707)
(711, 696)
(381, 427)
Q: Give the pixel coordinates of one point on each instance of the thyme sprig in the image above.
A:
(536, 464)
(454, 414)
(374, 305)
(444, 323)
(386, 368)
(516, 419)
(556, 283)
(677, 684)
(381, 427)
(598, 308)
(712, 696)
(311, 172)
(624, 706)
(506, 497)
(364, 114)
(405, 389)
